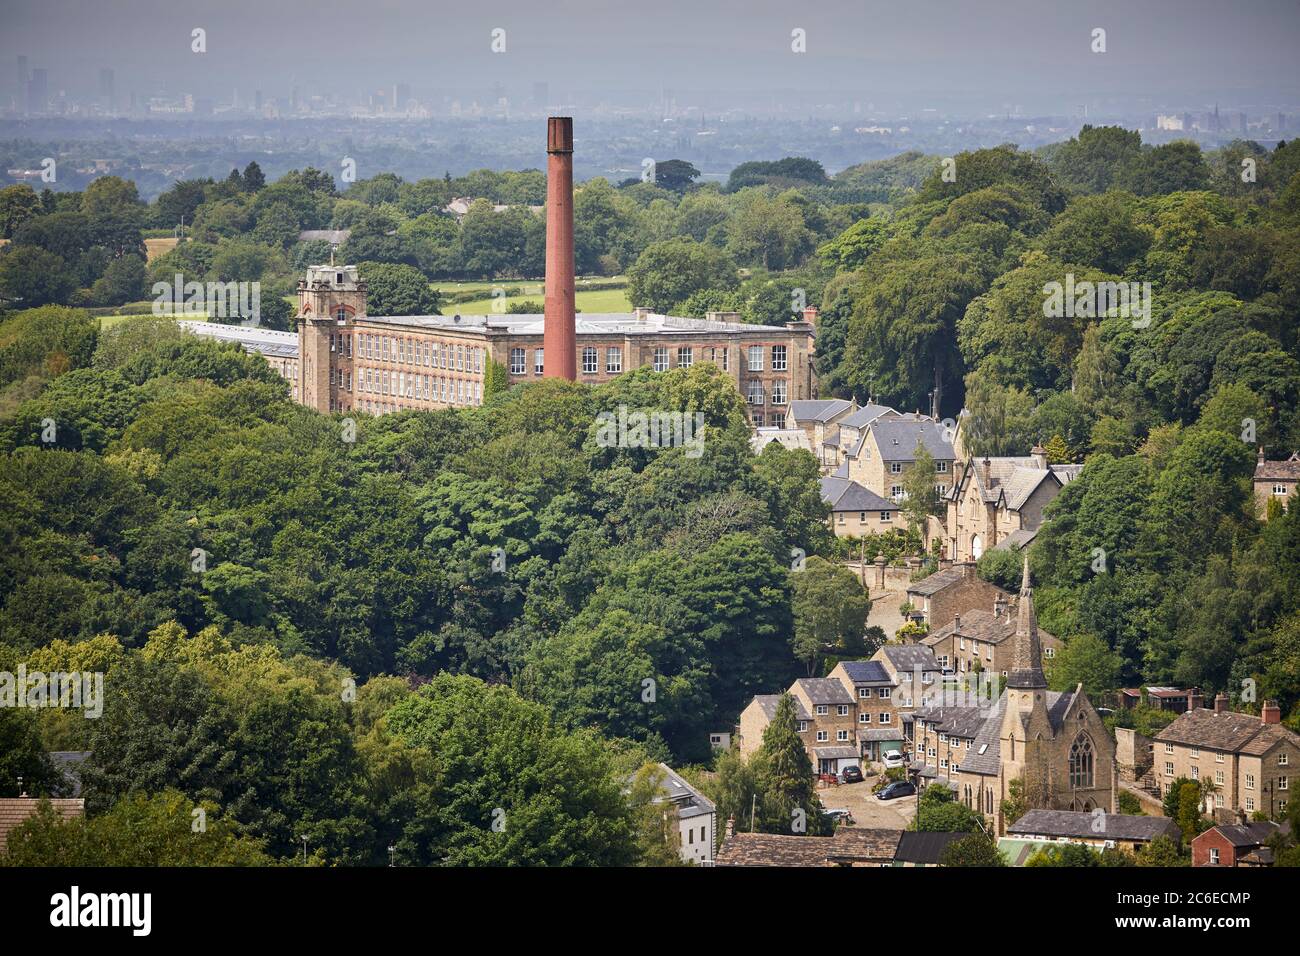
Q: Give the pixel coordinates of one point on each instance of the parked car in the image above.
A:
(840, 815)
(851, 775)
(891, 759)
(899, 788)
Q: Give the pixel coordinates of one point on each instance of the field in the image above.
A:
(599, 300)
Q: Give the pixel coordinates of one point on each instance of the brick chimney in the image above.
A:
(731, 826)
(999, 606)
(1220, 703)
(1195, 699)
(1270, 713)
(559, 334)
(810, 315)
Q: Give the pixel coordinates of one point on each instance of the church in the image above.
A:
(1053, 743)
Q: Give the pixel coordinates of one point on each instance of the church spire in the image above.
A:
(1027, 652)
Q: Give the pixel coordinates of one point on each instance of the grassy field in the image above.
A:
(602, 300)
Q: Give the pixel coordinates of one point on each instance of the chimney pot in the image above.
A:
(731, 826)
(1195, 699)
(1220, 702)
(1270, 713)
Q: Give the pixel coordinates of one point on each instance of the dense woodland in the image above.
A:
(386, 640)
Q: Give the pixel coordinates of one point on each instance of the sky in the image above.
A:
(1034, 53)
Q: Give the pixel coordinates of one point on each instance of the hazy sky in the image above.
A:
(1023, 51)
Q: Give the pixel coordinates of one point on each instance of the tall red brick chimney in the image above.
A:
(558, 336)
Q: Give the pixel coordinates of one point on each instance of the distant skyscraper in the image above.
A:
(401, 95)
(257, 101)
(1242, 123)
(22, 75)
(107, 92)
(38, 88)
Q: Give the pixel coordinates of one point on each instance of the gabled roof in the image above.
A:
(14, 810)
(767, 703)
(1098, 826)
(818, 409)
(964, 722)
(843, 494)
(689, 801)
(1245, 835)
(866, 672)
(1012, 480)
(824, 690)
(865, 415)
(984, 756)
(786, 437)
(848, 845)
(1288, 470)
(897, 439)
(1225, 730)
(980, 625)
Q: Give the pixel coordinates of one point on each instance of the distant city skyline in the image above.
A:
(1021, 57)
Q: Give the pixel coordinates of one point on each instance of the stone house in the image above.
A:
(888, 448)
(856, 511)
(991, 498)
(1275, 479)
(982, 640)
(941, 596)
(880, 727)
(1251, 761)
(819, 419)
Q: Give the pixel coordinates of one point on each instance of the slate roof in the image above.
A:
(964, 722)
(865, 415)
(1225, 730)
(848, 845)
(818, 409)
(925, 847)
(1021, 538)
(824, 690)
(689, 801)
(841, 752)
(1085, 825)
(768, 702)
(878, 734)
(897, 439)
(908, 657)
(253, 338)
(846, 495)
(1243, 835)
(14, 810)
(1014, 479)
(983, 757)
(981, 625)
(69, 764)
(866, 672)
(1288, 470)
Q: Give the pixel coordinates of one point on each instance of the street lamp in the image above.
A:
(303, 838)
(392, 859)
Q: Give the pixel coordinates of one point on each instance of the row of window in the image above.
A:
(1283, 758)
(412, 351)
(427, 388)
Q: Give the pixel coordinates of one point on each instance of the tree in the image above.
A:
(253, 178)
(669, 272)
(654, 818)
(1090, 161)
(830, 612)
(162, 829)
(31, 277)
(784, 777)
(396, 289)
(978, 849)
(509, 787)
(940, 811)
(675, 175)
(18, 203)
(1162, 851)
(1015, 805)
(1086, 660)
(920, 490)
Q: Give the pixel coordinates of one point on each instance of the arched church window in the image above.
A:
(1081, 763)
